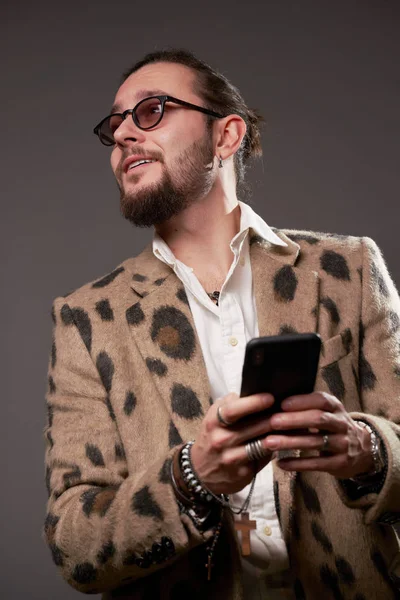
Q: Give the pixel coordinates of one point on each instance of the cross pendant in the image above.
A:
(245, 525)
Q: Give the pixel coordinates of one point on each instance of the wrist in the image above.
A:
(201, 515)
(181, 490)
(198, 491)
(377, 463)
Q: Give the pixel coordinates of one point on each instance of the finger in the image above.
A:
(337, 442)
(234, 408)
(238, 455)
(251, 428)
(238, 458)
(316, 400)
(318, 419)
(329, 464)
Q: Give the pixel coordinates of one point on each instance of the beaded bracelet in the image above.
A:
(190, 476)
(181, 496)
(197, 488)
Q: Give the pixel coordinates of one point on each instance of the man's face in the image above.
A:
(181, 144)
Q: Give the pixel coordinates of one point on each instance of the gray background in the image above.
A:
(324, 74)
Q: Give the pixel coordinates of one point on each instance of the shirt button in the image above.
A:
(233, 341)
(267, 530)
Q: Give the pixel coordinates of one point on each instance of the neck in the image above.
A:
(200, 237)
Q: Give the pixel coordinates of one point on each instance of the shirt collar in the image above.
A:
(248, 219)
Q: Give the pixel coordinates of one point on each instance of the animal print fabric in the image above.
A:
(127, 385)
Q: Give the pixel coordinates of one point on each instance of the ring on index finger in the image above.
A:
(221, 419)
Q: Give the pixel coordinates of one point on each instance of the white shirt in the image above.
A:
(223, 332)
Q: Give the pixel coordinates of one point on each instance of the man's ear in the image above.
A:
(231, 131)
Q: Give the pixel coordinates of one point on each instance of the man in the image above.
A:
(149, 358)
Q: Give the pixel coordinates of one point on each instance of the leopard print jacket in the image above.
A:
(127, 384)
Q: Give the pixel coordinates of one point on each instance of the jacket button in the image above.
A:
(144, 561)
(159, 552)
(168, 545)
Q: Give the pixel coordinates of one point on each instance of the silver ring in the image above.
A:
(221, 418)
(255, 450)
(249, 451)
(325, 443)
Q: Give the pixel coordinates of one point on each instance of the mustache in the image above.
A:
(136, 152)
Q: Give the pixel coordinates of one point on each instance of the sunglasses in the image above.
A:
(146, 115)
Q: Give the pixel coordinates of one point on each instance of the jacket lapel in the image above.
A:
(287, 296)
(287, 300)
(163, 329)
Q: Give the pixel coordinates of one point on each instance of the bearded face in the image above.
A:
(177, 166)
(173, 187)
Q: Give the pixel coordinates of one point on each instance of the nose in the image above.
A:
(128, 132)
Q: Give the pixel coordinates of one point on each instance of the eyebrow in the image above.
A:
(140, 95)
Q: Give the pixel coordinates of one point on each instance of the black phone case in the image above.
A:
(283, 365)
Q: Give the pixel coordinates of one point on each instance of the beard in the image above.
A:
(189, 178)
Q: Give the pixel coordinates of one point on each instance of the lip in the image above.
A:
(131, 159)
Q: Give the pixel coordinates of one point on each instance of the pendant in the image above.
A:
(214, 296)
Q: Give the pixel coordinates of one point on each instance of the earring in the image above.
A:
(220, 163)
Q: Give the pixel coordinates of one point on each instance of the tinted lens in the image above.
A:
(148, 112)
(107, 129)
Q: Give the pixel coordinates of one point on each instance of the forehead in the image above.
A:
(155, 79)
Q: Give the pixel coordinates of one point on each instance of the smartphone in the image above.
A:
(282, 365)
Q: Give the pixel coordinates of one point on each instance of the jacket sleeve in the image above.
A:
(379, 382)
(105, 527)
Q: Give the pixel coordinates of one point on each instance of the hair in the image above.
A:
(219, 95)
